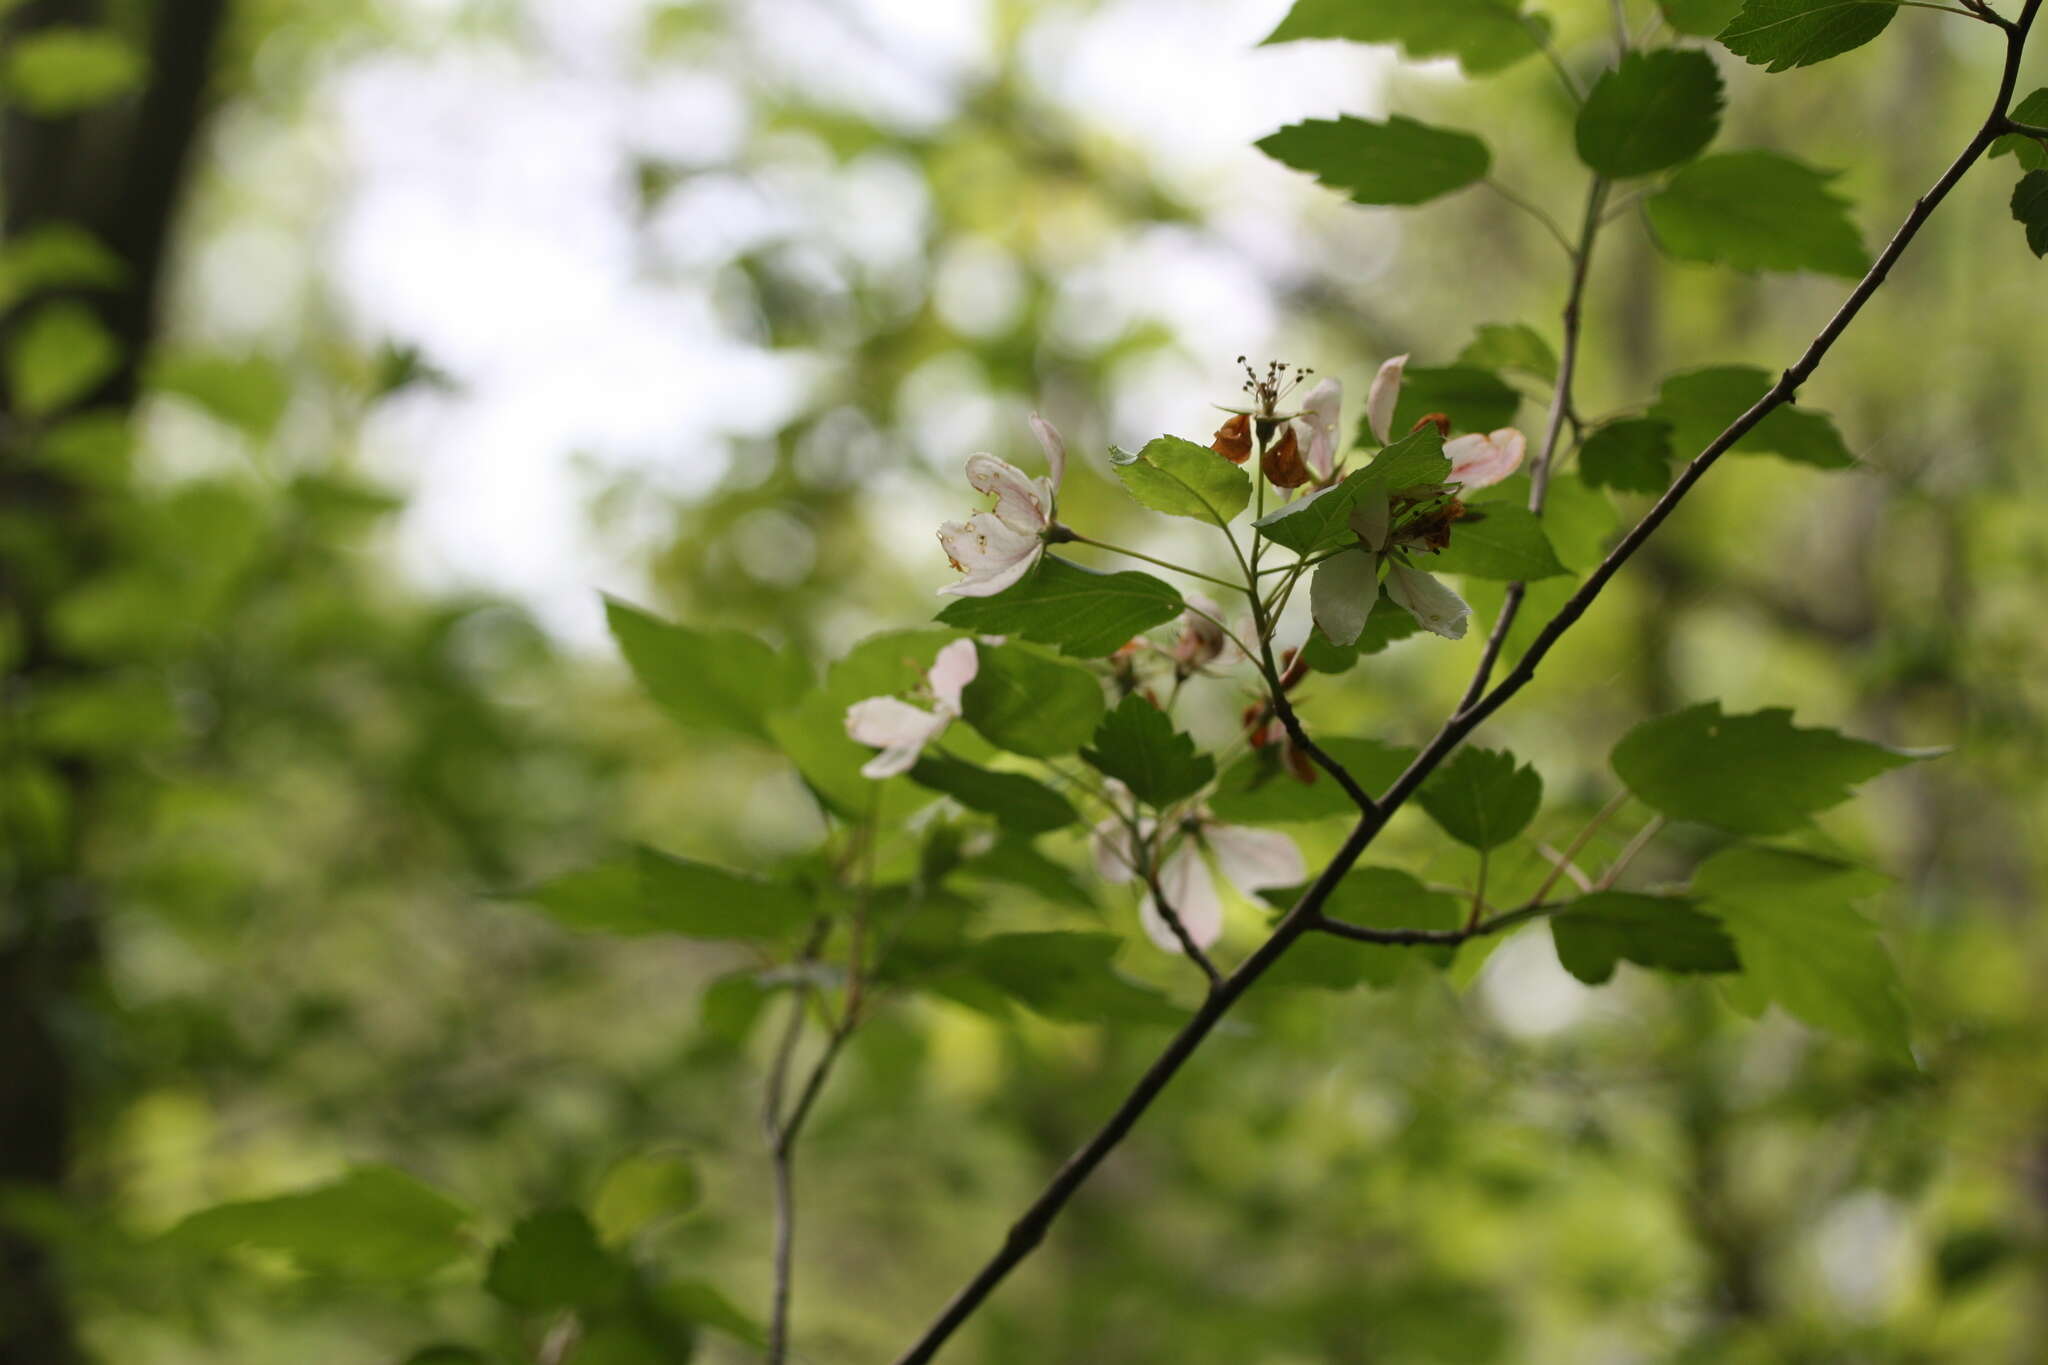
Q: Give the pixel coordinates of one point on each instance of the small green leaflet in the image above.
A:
(1699, 405)
(1484, 35)
(1377, 898)
(1137, 745)
(1016, 801)
(2030, 208)
(54, 256)
(705, 679)
(1030, 702)
(1259, 789)
(1510, 346)
(1756, 211)
(1754, 774)
(2031, 152)
(1183, 479)
(1083, 612)
(1632, 455)
(657, 893)
(57, 71)
(1502, 540)
(553, 1261)
(374, 1223)
(58, 357)
(1781, 34)
(1474, 399)
(1060, 975)
(1482, 798)
(1396, 162)
(1597, 931)
(1653, 111)
(1803, 944)
(1698, 18)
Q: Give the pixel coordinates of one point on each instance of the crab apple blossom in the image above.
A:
(901, 730)
(996, 548)
(1248, 859)
(1381, 397)
(1433, 605)
(1318, 420)
(1483, 460)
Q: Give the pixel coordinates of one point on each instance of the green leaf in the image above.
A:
(1502, 540)
(2031, 152)
(1083, 612)
(642, 1190)
(56, 256)
(1015, 862)
(1482, 798)
(375, 1223)
(1632, 455)
(1474, 399)
(1651, 112)
(1318, 521)
(813, 732)
(656, 893)
(553, 1260)
(246, 391)
(1016, 801)
(58, 71)
(1030, 702)
(698, 1302)
(1802, 942)
(58, 357)
(1259, 789)
(1183, 479)
(1061, 975)
(1664, 932)
(1781, 34)
(1755, 774)
(1756, 211)
(2030, 207)
(706, 679)
(1377, 898)
(1699, 405)
(1137, 745)
(1698, 18)
(447, 1353)
(1484, 35)
(1510, 346)
(1412, 461)
(1396, 162)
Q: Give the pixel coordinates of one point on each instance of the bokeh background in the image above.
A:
(472, 311)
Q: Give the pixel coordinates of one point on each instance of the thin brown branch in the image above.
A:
(1179, 929)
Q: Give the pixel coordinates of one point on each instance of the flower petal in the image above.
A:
(1319, 412)
(952, 670)
(1191, 891)
(1116, 858)
(1342, 593)
(1021, 502)
(897, 728)
(1369, 518)
(992, 553)
(1254, 859)
(1055, 448)
(1481, 461)
(1380, 398)
(1432, 604)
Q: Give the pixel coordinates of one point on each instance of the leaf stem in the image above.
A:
(1152, 559)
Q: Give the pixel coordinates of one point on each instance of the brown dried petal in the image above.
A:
(1282, 463)
(1234, 439)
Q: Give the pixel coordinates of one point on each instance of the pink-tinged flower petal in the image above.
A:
(1381, 397)
(1055, 449)
(1254, 859)
(954, 668)
(1022, 503)
(1432, 604)
(1116, 857)
(897, 728)
(1482, 461)
(1201, 641)
(1342, 593)
(1191, 891)
(992, 553)
(1319, 411)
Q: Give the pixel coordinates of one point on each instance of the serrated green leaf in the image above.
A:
(1781, 34)
(1259, 789)
(1754, 774)
(1632, 455)
(1377, 898)
(1083, 612)
(1319, 521)
(57, 71)
(1802, 942)
(812, 733)
(1183, 479)
(1510, 346)
(1756, 211)
(1015, 862)
(1031, 702)
(1665, 932)
(553, 1260)
(1484, 35)
(1016, 801)
(1474, 399)
(1396, 162)
(1137, 745)
(705, 679)
(1699, 405)
(1481, 797)
(1651, 112)
(58, 357)
(1061, 975)
(2032, 152)
(1502, 540)
(1413, 461)
(2030, 209)
(374, 1223)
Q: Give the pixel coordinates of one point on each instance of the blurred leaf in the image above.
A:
(57, 357)
(1757, 211)
(1030, 702)
(447, 1353)
(1484, 35)
(2030, 208)
(1259, 789)
(1396, 162)
(1504, 540)
(658, 893)
(1802, 943)
(1376, 898)
(1510, 346)
(1018, 862)
(1665, 932)
(1481, 797)
(56, 71)
(641, 1190)
(1653, 111)
(1700, 404)
(1781, 34)
(1967, 1255)
(698, 1302)
(1016, 801)
(1474, 400)
(1066, 976)
(1632, 455)
(1183, 479)
(1083, 612)
(100, 714)
(1137, 745)
(248, 392)
(1699, 18)
(375, 1223)
(552, 1260)
(2031, 152)
(706, 680)
(56, 256)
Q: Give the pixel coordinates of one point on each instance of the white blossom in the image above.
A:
(996, 548)
(1318, 423)
(1248, 859)
(1432, 604)
(1482, 460)
(901, 730)
(1381, 397)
